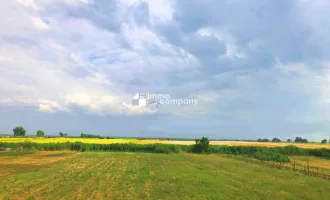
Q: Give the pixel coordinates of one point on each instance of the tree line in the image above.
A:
(278, 154)
(20, 131)
(87, 135)
(297, 140)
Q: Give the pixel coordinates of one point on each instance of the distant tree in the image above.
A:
(19, 131)
(289, 140)
(259, 140)
(61, 134)
(300, 140)
(265, 140)
(40, 133)
(304, 141)
(86, 135)
(276, 140)
(329, 140)
(65, 135)
(324, 141)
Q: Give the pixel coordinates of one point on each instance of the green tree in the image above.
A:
(40, 133)
(19, 131)
(61, 134)
(201, 145)
(300, 140)
(65, 135)
(276, 140)
(289, 140)
(324, 141)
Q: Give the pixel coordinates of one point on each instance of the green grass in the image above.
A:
(118, 175)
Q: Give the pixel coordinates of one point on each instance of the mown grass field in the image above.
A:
(137, 141)
(118, 175)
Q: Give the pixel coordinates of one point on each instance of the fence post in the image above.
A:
(308, 166)
(294, 164)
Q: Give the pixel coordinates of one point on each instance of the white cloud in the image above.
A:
(29, 3)
(39, 23)
(162, 9)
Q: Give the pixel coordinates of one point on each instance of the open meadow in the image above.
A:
(154, 141)
(120, 175)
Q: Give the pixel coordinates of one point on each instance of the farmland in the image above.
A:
(149, 141)
(94, 168)
(120, 175)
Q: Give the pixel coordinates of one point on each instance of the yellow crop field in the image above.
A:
(153, 141)
(62, 140)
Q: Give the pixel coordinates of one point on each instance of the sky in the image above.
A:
(259, 69)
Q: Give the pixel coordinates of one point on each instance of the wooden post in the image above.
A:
(294, 164)
(308, 166)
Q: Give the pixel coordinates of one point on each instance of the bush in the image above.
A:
(201, 145)
(271, 156)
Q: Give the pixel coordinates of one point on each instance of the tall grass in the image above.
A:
(258, 152)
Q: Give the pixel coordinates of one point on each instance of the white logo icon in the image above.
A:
(140, 99)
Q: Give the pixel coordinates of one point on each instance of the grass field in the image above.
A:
(114, 175)
(137, 141)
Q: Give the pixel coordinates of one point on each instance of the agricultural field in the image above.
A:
(120, 175)
(137, 141)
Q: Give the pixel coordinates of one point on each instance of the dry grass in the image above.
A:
(312, 161)
(11, 163)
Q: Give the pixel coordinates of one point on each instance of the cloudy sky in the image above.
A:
(259, 68)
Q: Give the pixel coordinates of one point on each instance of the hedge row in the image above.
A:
(168, 148)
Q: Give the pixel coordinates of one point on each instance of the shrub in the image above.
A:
(271, 156)
(201, 145)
